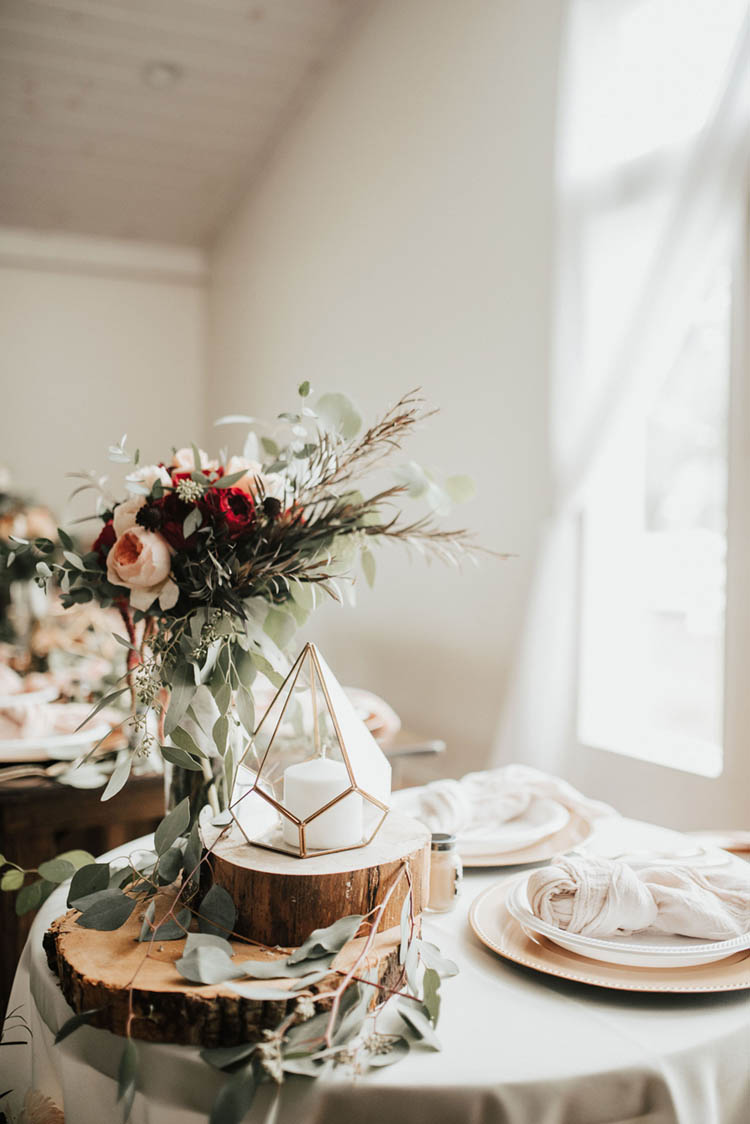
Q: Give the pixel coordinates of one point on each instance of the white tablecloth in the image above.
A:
(518, 1048)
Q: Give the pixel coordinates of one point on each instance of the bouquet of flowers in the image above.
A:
(214, 563)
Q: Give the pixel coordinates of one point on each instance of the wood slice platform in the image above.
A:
(95, 969)
(281, 898)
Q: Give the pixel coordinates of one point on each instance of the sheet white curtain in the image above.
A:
(651, 180)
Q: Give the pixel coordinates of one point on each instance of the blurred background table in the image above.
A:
(39, 818)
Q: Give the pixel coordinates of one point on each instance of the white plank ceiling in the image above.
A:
(146, 119)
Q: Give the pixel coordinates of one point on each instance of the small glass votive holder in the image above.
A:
(446, 873)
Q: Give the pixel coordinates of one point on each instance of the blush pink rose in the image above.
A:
(125, 513)
(141, 561)
(184, 461)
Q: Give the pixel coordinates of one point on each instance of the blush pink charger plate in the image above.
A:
(493, 924)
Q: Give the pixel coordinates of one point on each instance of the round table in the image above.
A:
(518, 1047)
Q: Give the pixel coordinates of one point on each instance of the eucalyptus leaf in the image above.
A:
(280, 626)
(12, 880)
(126, 1077)
(170, 865)
(180, 757)
(87, 881)
(77, 858)
(207, 940)
(432, 957)
(217, 912)
(192, 856)
(339, 413)
(183, 687)
(431, 994)
(65, 539)
(172, 929)
(416, 1018)
(234, 1099)
(33, 895)
(111, 910)
(119, 776)
(172, 826)
(283, 967)
(258, 991)
(303, 389)
(220, 733)
(368, 567)
(224, 1057)
(74, 559)
(185, 741)
(245, 709)
(331, 939)
(56, 870)
(230, 480)
(206, 964)
(73, 1023)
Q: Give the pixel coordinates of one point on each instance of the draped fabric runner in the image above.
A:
(605, 898)
(480, 802)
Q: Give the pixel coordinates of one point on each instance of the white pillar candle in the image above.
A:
(310, 786)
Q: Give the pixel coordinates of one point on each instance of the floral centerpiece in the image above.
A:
(213, 563)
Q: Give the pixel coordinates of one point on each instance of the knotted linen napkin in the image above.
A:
(481, 802)
(607, 897)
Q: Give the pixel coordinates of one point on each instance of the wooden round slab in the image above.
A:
(281, 898)
(95, 970)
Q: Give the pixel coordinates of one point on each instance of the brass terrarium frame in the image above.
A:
(309, 653)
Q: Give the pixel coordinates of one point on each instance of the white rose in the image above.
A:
(251, 469)
(184, 461)
(147, 475)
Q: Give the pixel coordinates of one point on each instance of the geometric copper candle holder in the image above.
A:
(321, 783)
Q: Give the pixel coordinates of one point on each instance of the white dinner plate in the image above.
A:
(642, 950)
(22, 700)
(543, 817)
(51, 747)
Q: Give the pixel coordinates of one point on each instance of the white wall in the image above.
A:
(96, 339)
(400, 235)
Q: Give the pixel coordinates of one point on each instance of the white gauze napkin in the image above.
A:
(606, 897)
(482, 802)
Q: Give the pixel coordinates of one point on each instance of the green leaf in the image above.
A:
(32, 896)
(170, 865)
(186, 742)
(74, 559)
(367, 559)
(234, 1099)
(192, 522)
(206, 964)
(172, 929)
(405, 927)
(339, 414)
(126, 1077)
(258, 991)
(65, 539)
(230, 480)
(270, 447)
(303, 389)
(283, 967)
(192, 855)
(217, 912)
(12, 880)
(245, 709)
(172, 826)
(75, 1021)
(77, 859)
(207, 940)
(220, 733)
(331, 939)
(183, 687)
(87, 881)
(119, 776)
(432, 957)
(56, 870)
(280, 626)
(179, 757)
(223, 1057)
(460, 489)
(431, 993)
(223, 698)
(110, 911)
(416, 1018)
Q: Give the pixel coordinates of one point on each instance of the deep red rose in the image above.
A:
(173, 512)
(231, 508)
(105, 540)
